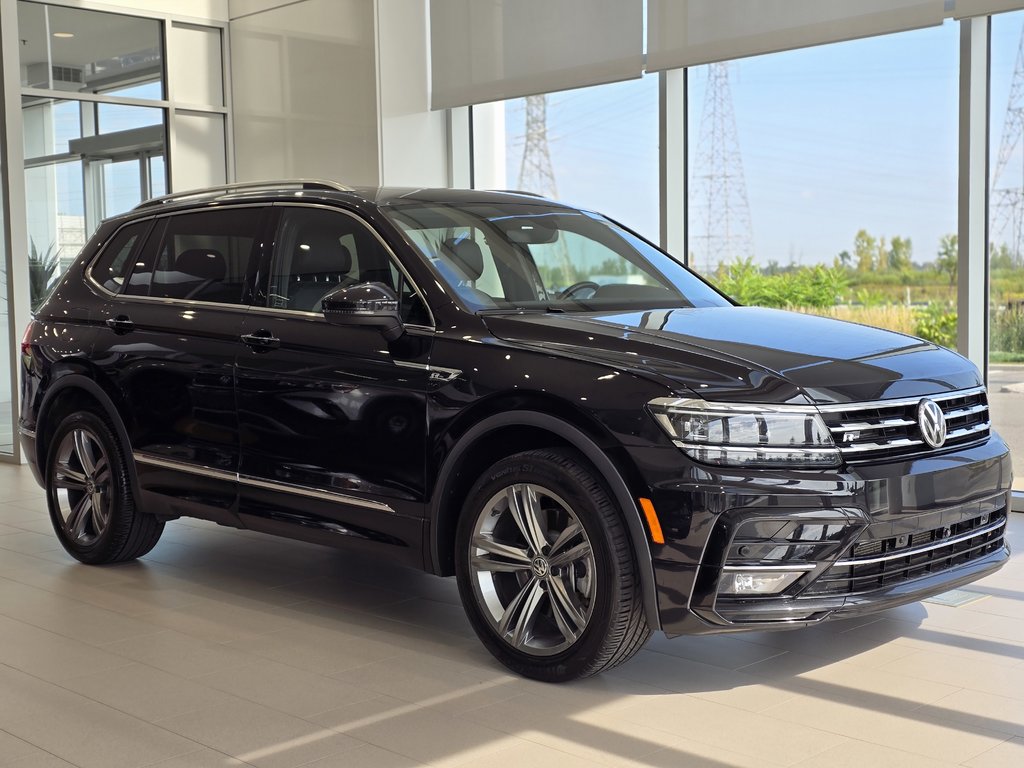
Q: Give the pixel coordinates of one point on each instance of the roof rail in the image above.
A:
(244, 186)
(520, 192)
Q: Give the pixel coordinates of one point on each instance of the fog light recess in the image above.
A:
(749, 581)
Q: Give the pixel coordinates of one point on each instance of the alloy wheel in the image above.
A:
(82, 483)
(533, 569)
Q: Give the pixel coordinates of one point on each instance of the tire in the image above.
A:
(545, 568)
(89, 494)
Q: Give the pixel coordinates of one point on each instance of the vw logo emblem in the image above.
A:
(932, 423)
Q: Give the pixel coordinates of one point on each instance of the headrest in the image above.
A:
(202, 263)
(466, 256)
(317, 250)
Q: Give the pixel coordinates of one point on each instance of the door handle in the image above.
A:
(120, 324)
(261, 341)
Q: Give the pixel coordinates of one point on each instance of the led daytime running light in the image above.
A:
(740, 434)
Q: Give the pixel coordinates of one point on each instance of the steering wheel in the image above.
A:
(580, 286)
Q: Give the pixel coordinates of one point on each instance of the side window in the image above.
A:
(204, 256)
(113, 265)
(318, 251)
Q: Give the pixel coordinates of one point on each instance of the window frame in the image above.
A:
(139, 244)
(155, 237)
(262, 285)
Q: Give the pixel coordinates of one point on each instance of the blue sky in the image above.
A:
(834, 138)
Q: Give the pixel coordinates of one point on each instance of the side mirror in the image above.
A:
(369, 304)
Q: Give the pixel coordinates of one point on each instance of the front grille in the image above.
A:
(889, 429)
(876, 563)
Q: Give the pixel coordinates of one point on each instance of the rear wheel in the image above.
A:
(545, 568)
(89, 494)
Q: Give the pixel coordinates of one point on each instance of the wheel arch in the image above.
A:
(523, 430)
(68, 394)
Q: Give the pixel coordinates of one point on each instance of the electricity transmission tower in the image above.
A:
(721, 190)
(535, 172)
(1008, 181)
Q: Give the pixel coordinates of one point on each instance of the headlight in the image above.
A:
(747, 435)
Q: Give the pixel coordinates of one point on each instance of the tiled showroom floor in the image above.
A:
(229, 648)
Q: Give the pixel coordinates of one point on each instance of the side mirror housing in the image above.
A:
(368, 304)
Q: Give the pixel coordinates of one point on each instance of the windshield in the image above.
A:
(537, 256)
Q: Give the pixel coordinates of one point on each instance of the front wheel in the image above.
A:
(545, 568)
(89, 494)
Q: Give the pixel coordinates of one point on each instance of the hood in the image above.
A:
(748, 353)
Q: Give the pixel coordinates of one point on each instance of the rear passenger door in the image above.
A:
(169, 343)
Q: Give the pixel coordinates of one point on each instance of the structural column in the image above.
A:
(14, 240)
(972, 229)
(672, 160)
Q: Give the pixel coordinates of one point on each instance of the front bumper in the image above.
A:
(920, 527)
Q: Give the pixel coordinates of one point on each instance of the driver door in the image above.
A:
(331, 418)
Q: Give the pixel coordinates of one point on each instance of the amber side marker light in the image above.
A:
(652, 521)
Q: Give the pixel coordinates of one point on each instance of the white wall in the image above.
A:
(304, 89)
(489, 146)
(199, 10)
(414, 140)
(237, 8)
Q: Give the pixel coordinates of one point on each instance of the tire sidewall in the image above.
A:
(574, 661)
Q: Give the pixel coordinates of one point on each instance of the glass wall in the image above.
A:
(88, 153)
(592, 147)
(825, 179)
(1006, 234)
(6, 408)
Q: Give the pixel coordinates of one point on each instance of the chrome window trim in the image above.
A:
(191, 304)
(900, 554)
(93, 283)
(283, 313)
(366, 225)
(899, 402)
(255, 482)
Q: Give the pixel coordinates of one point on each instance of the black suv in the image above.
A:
(591, 438)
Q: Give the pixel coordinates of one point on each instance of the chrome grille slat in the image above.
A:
(960, 412)
(861, 447)
(888, 429)
(885, 562)
(920, 550)
(865, 425)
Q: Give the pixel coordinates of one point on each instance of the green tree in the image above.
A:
(865, 250)
(1000, 256)
(948, 256)
(900, 252)
(881, 256)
